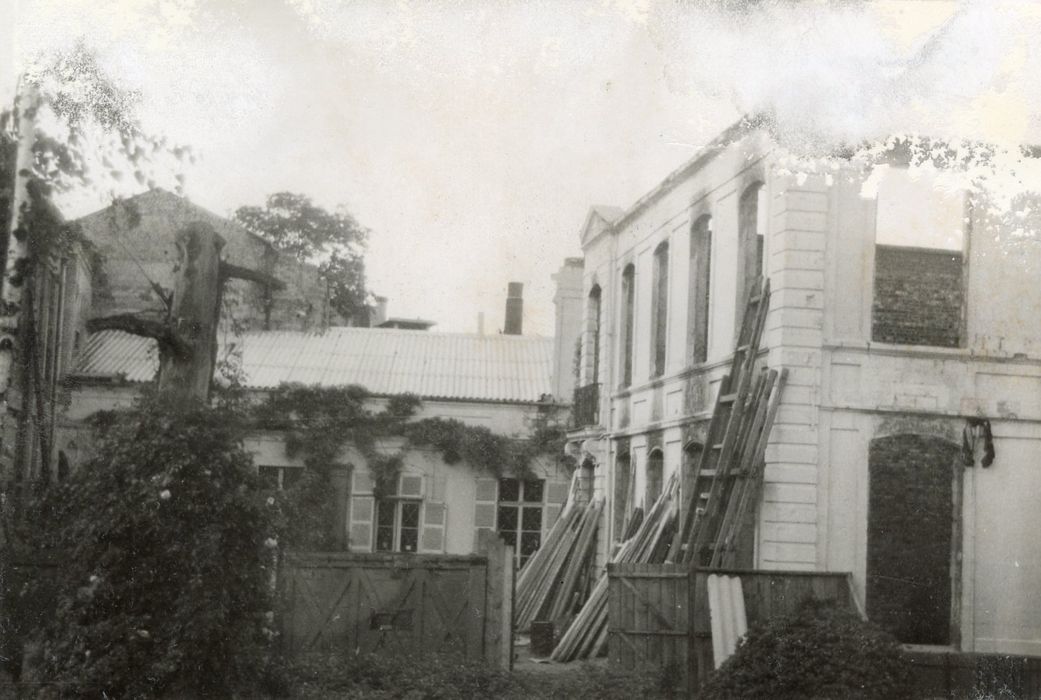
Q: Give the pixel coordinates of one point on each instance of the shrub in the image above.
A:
(168, 550)
(819, 652)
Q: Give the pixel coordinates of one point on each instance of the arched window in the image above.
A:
(700, 286)
(623, 477)
(751, 242)
(655, 472)
(628, 300)
(594, 332)
(660, 308)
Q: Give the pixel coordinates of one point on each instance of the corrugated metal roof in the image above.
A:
(385, 361)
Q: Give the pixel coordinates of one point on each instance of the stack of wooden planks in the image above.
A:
(587, 634)
(554, 581)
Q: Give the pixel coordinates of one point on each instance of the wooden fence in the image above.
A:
(659, 613)
(400, 604)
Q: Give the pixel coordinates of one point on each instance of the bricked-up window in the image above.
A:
(919, 289)
(628, 301)
(910, 533)
(594, 329)
(519, 517)
(700, 286)
(750, 241)
(655, 472)
(660, 308)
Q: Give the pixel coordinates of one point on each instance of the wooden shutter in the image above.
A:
(432, 536)
(484, 506)
(556, 494)
(363, 509)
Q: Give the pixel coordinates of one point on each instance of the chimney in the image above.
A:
(379, 311)
(514, 309)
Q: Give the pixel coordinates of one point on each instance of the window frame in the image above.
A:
(628, 324)
(398, 503)
(700, 290)
(595, 302)
(660, 310)
(751, 242)
(521, 505)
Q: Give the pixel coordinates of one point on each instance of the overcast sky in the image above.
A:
(471, 137)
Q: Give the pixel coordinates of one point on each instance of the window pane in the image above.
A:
(509, 538)
(533, 491)
(268, 477)
(385, 539)
(532, 519)
(409, 514)
(509, 490)
(530, 543)
(385, 514)
(507, 518)
(409, 539)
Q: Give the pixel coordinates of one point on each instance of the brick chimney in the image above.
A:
(514, 309)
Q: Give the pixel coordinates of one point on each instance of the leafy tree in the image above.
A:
(169, 544)
(334, 241)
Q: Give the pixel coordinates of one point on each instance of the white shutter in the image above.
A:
(410, 486)
(432, 535)
(556, 494)
(363, 507)
(484, 506)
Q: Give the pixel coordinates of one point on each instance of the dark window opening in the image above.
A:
(594, 320)
(700, 286)
(655, 472)
(628, 299)
(519, 516)
(660, 308)
(622, 488)
(751, 242)
(910, 536)
(397, 525)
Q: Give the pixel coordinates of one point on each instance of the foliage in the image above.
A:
(334, 241)
(319, 422)
(818, 652)
(168, 551)
(439, 676)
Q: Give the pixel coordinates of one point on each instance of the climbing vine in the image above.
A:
(318, 422)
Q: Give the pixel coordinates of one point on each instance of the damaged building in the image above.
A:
(907, 444)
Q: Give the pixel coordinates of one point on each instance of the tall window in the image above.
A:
(397, 525)
(279, 478)
(700, 286)
(519, 519)
(623, 477)
(655, 471)
(628, 299)
(919, 294)
(751, 241)
(660, 308)
(594, 323)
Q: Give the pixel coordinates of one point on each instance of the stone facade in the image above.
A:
(965, 344)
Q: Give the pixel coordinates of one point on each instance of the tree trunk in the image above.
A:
(17, 254)
(194, 314)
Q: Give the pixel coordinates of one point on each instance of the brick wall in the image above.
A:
(910, 520)
(918, 296)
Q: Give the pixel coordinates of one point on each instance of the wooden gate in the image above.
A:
(649, 618)
(390, 603)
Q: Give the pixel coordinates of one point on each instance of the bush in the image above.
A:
(451, 677)
(169, 551)
(819, 652)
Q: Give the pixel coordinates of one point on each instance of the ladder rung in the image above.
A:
(718, 446)
(707, 472)
(755, 300)
(727, 398)
(742, 348)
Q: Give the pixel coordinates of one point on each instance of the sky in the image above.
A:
(472, 137)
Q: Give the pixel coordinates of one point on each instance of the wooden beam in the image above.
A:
(144, 327)
(230, 271)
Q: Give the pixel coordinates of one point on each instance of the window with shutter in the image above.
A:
(484, 506)
(432, 540)
(362, 513)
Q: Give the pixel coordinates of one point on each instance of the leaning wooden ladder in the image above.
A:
(732, 457)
